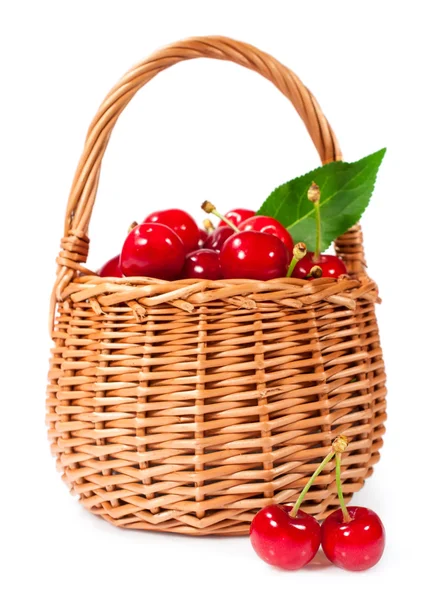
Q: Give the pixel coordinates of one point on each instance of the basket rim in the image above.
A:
(140, 293)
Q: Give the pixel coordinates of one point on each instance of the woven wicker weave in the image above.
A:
(186, 406)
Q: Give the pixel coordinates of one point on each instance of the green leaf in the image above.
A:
(345, 191)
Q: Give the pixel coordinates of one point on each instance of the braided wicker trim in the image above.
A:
(186, 294)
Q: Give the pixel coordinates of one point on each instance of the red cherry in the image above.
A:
(111, 268)
(331, 266)
(152, 250)
(269, 225)
(237, 216)
(284, 541)
(356, 545)
(254, 255)
(181, 223)
(216, 238)
(202, 264)
(203, 237)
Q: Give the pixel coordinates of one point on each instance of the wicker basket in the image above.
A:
(186, 406)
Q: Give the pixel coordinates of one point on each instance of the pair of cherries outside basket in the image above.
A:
(199, 376)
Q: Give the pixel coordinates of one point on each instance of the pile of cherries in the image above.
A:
(286, 537)
(169, 245)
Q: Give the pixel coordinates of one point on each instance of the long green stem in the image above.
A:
(318, 231)
(313, 195)
(346, 517)
(298, 503)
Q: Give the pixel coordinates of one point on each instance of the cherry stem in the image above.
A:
(209, 208)
(298, 503)
(298, 253)
(344, 510)
(316, 272)
(318, 233)
(208, 225)
(292, 266)
(313, 196)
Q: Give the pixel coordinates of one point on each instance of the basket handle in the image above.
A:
(74, 244)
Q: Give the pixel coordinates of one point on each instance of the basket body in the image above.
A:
(191, 421)
(187, 406)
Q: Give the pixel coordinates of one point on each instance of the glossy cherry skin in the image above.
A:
(254, 255)
(331, 266)
(202, 264)
(152, 250)
(181, 223)
(284, 541)
(216, 238)
(357, 545)
(203, 237)
(111, 268)
(269, 225)
(237, 216)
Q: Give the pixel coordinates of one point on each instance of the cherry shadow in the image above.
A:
(319, 562)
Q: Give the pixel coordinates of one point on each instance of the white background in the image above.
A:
(212, 130)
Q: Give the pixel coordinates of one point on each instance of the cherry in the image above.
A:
(152, 250)
(181, 223)
(249, 254)
(269, 225)
(216, 238)
(237, 216)
(203, 237)
(352, 538)
(287, 537)
(355, 545)
(202, 264)
(111, 268)
(253, 255)
(282, 540)
(331, 266)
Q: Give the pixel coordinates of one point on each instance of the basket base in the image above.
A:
(207, 526)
